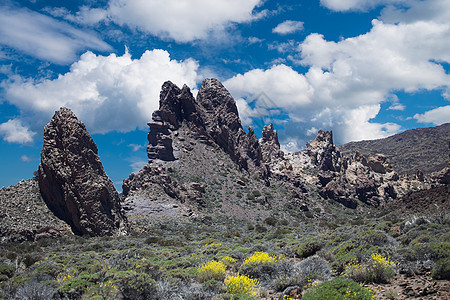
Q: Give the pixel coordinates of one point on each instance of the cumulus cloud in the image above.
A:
(347, 81)
(288, 27)
(108, 93)
(182, 20)
(437, 116)
(361, 5)
(43, 37)
(13, 131)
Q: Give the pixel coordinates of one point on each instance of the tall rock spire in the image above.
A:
(73, 182)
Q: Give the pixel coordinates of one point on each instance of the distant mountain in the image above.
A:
(426, 149)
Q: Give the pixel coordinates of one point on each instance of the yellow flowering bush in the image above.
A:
(260, 258)
(212, 270)
(378, 269)
(228, 261)
(240, 284)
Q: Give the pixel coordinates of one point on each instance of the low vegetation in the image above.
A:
(319, 259)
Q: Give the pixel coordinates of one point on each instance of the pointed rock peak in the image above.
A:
(73, 182)
(323, 138)
(269, 135)
(218, 105)
(175, 104)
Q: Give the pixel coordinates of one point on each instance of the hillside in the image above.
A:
(426, 149)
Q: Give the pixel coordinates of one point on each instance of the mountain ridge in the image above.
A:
(426, 149)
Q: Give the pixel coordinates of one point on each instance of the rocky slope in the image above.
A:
(202, 164)
(72, 180)
(426, 149)
(24, 215)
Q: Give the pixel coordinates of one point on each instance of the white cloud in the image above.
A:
(397, 106)
(182, 20)
(106, 92)
(288, 27)
(348, 80)
(362, 5)
(436, 116)
(43, 37)
(137, 165)
(136, 147)
(14, 131)
(26, 158)
(409, 11)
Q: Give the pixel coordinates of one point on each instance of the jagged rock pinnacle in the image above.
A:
(73, 182)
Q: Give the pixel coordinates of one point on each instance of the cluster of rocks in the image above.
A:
(213, 119)
(349, 179)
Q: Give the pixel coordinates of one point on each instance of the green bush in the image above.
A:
(377, 269)
(271, 221)
(307, 249)
(441, 270)
(7, 270)
(337, 289)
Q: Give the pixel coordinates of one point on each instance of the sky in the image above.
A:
(364, 69)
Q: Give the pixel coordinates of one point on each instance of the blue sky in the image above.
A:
(363, 68)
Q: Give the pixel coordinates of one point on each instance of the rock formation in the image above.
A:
(73, 182)
(212, 118)
(323, 153)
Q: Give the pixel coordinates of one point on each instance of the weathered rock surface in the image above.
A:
(323, 152)
(213, 118)
(24, 215)
(270, 146)
(73, 182)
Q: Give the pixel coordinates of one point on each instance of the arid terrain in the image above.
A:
(219, 214)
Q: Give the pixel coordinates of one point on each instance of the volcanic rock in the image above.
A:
(379, 163)
(24, 215)
(270, 146)
(73, 182)
(323, 152)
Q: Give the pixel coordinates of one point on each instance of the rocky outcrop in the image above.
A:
(212, 118)
(72, 180)
(379, 163)
(270, 146)
(323, 152)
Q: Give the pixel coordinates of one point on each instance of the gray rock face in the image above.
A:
(323, 152)
(270, 146)
(73, 182)
(212, 118)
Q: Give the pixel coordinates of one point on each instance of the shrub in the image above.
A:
(228, 261)
(441, 270)
(307, 249)
(240, 284)
(259, 265)
(260, 228)
(271, 221)
(338, 288)
(378, 270)
(7, 270)
(212, 270)
(313, 267)
(34, 290)
(260, 258)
